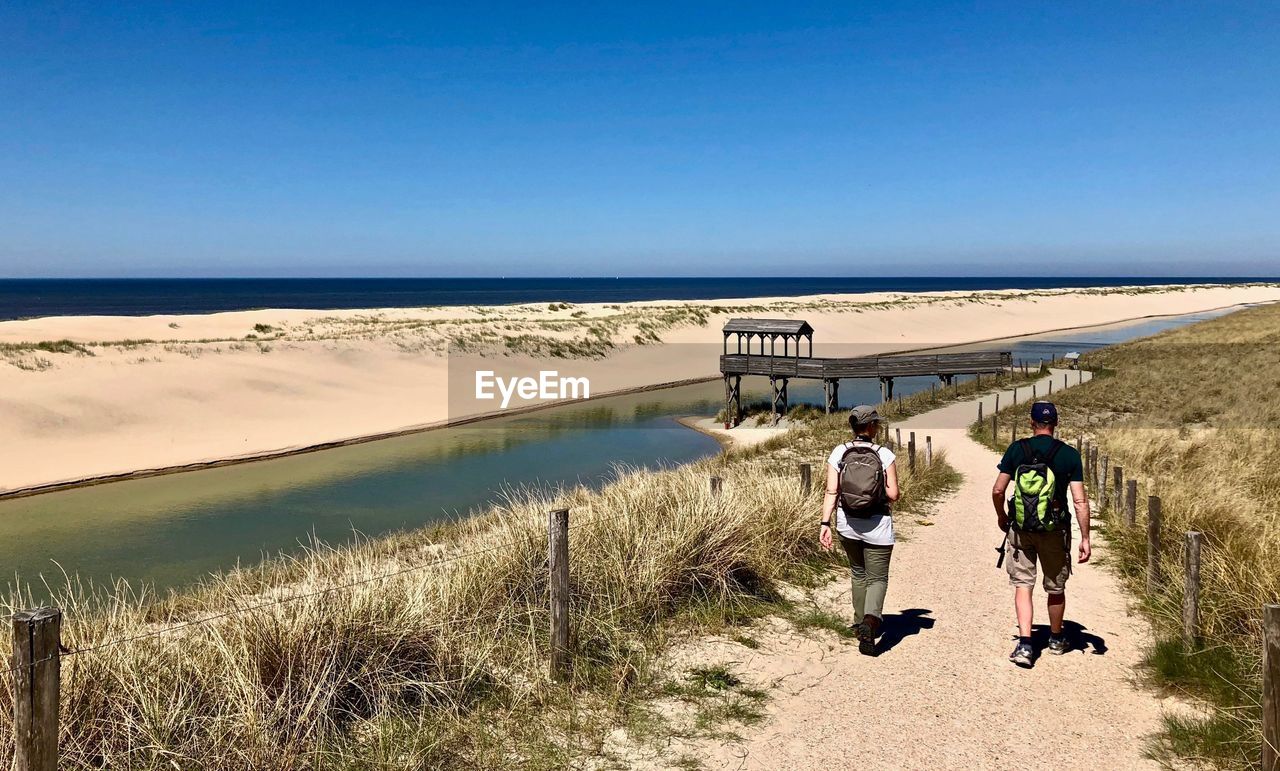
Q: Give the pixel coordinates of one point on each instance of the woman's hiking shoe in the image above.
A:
(866, 632)
(1023, 655)
(1058, 644)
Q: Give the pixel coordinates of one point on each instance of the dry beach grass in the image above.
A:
(441, 663)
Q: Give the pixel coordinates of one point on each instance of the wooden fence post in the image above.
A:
(1013, 432)
(1153, 540)
(1103, 487)
(1191, 591)
(1131, 503)
(928, 452)
(1064, 380)
(1271, 688)
(806, 478)
(37, 668)
(995, 428)
(911, 450)
(1033, 392)
(997, 407)
(558, 556)
(1118, 477)
(715, 485)
(979, 410)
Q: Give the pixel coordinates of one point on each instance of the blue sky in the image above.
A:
(639, 139)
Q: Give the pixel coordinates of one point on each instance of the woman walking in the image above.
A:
(862, 481)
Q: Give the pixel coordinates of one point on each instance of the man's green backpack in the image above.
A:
(1032, 508)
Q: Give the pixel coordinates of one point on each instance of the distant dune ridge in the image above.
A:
(94, 396)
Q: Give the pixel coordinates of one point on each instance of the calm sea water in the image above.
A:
(26, 298)
(169, 531)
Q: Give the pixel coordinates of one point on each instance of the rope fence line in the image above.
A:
(445, 560)
(326, 590)
(36, 726)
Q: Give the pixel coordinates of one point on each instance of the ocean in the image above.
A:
(27, 298)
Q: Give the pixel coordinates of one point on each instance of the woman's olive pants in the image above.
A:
(869, 567)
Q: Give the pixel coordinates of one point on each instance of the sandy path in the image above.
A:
(944, 695)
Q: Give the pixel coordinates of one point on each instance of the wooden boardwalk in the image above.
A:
(791, 364)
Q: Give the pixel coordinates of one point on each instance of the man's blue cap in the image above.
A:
(1044, 412)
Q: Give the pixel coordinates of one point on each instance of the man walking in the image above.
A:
(1037, 524)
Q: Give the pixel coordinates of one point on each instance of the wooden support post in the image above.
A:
(1191, 592)
(995, 428)
(1271, 688)
(558, 556)
(1154, 579)
(715, 485)
(933, 392)
(806, 478)
(911, 451)
(36, 680)
(928, 452)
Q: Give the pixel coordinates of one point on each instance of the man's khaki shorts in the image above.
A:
(1051, 550)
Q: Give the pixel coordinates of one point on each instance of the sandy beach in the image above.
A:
(91, 397)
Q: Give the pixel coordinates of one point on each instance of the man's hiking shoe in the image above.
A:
(1023, 655)
(1058, 644)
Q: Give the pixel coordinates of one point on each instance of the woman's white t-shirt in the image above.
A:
(876, 529)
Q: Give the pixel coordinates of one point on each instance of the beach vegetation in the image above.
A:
(427, 649)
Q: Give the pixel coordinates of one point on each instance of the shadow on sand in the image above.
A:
(1077, 636)
(897, 626)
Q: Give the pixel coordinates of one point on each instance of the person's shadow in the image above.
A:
(894, 627)
(1077, 638)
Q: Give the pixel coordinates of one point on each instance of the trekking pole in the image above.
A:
(1000, 549)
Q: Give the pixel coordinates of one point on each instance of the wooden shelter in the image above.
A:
(787, 330)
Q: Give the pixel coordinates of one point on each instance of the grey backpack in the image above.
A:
(861, 481)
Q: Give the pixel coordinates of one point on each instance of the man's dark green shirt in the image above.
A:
(1066, 465)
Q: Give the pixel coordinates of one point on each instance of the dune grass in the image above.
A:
(436, 657)
(1193, 414)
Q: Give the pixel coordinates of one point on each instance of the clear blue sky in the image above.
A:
(561, 138)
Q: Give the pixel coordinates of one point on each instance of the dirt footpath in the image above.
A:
(943, 694)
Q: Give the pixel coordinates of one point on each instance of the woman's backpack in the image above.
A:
(1032, 507)
(861, 492)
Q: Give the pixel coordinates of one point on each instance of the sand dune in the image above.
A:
(124, 394)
